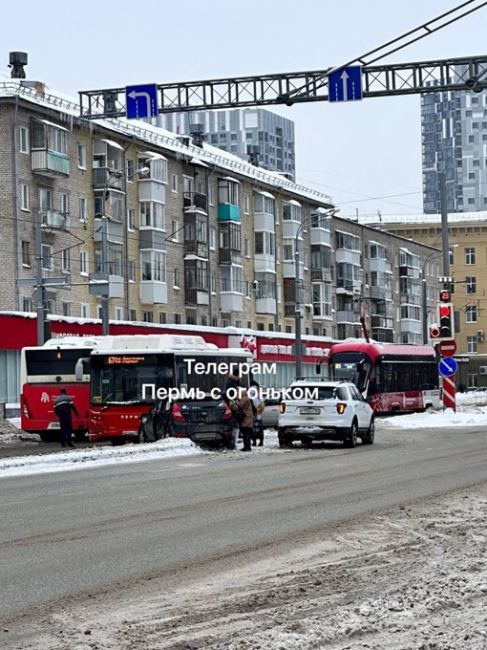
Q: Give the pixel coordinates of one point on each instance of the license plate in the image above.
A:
(308, 410)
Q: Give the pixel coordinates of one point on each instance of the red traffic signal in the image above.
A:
(445, 295)
(445, 312)
(434, 331)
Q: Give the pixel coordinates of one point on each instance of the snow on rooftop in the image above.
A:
(41, 95)
(406, 219)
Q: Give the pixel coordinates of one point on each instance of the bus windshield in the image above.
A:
(351, 366)
(117, 379)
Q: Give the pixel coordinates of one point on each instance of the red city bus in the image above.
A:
(120, 370)
(44, 370)
(394, 378)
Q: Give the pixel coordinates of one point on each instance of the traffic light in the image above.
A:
(434, 331)
(445, 312)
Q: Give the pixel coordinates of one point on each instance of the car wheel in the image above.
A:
(351, 439)
(306, 442)
(369, 436)
(283, 440)
(117, 442)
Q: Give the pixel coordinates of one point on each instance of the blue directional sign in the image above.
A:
(448, 366)
(141, 101)
(345, 84)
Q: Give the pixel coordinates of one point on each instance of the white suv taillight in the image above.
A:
(341, 406)
(282, 407)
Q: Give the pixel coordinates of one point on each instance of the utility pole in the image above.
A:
(297, 309)
(105, 305)
(40, 282)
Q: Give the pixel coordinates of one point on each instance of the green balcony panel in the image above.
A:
(228, 212)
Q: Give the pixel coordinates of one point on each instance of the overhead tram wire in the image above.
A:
(426, 29)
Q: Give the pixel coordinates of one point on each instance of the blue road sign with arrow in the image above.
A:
(345, 84)
(141, 101)
(448, 366)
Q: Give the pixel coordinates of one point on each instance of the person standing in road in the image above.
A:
(247, 424)
(63, 408)
(258, 408)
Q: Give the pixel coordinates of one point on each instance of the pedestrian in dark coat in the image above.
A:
(247, 424)
(63, 408)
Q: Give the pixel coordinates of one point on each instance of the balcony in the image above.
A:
(320, 237)
(104, 176)
(194, 201)
(198, 248)
(228, 212)
(346, 256)
(321, 275)
(196, 297)
(54, 220)
(115, 234)
(231, 301)
(382, 335)
(346, 316)
(227, 256)
(265, 305)
(153, 293)
(49, 163)
(378, 293)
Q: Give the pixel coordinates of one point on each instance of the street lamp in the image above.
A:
(297, 288)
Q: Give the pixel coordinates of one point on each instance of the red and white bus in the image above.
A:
(44, 370)
(124, 370)
(394, 378)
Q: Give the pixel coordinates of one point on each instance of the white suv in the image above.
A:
(328, 410)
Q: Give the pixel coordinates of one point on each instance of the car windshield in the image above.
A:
(321, 392)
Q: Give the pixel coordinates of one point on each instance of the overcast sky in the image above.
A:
(358, 153)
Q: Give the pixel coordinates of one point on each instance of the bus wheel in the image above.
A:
(117, 442)
(48, 436)
(369, 436)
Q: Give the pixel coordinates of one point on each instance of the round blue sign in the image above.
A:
(448, 366)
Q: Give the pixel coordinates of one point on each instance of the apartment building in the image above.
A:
(194, 234)
(454, 139)
(467, 237)
(250, 133)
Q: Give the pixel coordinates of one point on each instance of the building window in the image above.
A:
(129, 170)
(26, 253)
(131, 222)
(174, 183)
(131, 270)
(45, 200)
(24, 197)
(118, 313)
(162, 318)
(246, 247)
(246, 200)
(469, 256)
(212, 238)
(471, 284)
(85, 310)
(23, 139)
(66, 309)
(26, 304)
(65, 259)
(174, 231)
(152, 215)
(153, 265)
(82, 210)
(190, 319)
(177, 319)
(46, 255)
(260, 327)
(81, 156)
(176, 279)
(211, 194)
(471, 313)
(64, 203)
(133, 315)
(471, 344)
(148, 316)
(83, 262)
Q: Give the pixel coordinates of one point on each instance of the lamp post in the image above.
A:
(297, 290)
